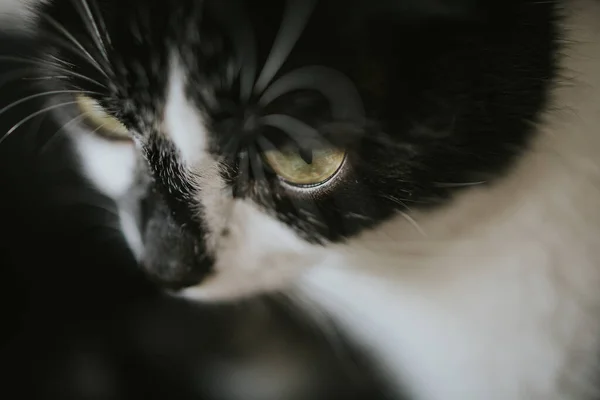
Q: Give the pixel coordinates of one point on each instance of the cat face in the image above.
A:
(252, 140)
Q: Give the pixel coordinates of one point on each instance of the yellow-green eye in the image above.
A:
(291, 167)
(102, 123)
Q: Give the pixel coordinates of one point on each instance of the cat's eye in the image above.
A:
(101, 122)
(293, 168)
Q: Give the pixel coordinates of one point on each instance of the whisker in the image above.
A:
(405, 215)
(102, 23)
(15, 76)
(33, 115)
(35, 96)
(60, 61)
(50, 140)
(45, 64)
(458, 185)
(345, 101)
(71, 74)
(77, 43)
(294, 21)
(85, 12)
(399, 200)
(46, 78)
(414, 223)
(33, 61)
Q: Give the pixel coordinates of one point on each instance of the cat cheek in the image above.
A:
(244, 271)
(233, 280)
(258, 255)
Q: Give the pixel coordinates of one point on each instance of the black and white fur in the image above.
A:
(460, 245)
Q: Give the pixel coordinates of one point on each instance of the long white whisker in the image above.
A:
(71, 121)
(339, 90)
(97, 20)
(407, 216)
(59, 68)
(84, 57)
(16, 75)
(86, 13)
(33, 115)
(78, 118)
(414, 223)
(76, 42)
(60, 61)
(72, 74)
(102, 23)
(294, 21)
(45, 78)
(458, 184)
(36, 95)
(33, 61)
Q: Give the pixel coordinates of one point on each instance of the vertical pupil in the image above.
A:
(307, 155)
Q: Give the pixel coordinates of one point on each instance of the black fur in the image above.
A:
(450, 91)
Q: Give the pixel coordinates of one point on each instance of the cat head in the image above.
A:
(257, 139)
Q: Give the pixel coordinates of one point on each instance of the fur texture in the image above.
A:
(458, 245)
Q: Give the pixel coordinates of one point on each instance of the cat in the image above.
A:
(423, 173)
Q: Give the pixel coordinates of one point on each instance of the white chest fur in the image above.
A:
(501, 298)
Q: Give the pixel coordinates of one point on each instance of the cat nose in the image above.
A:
(174, 256)
(173, 275)
(173, 259)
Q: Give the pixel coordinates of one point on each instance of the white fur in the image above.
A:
(128, 219)
(499, 300)
(111, 165)
(183, 123)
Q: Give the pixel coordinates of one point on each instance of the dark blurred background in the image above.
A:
(78, 319)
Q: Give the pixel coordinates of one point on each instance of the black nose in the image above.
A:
(175, 256)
